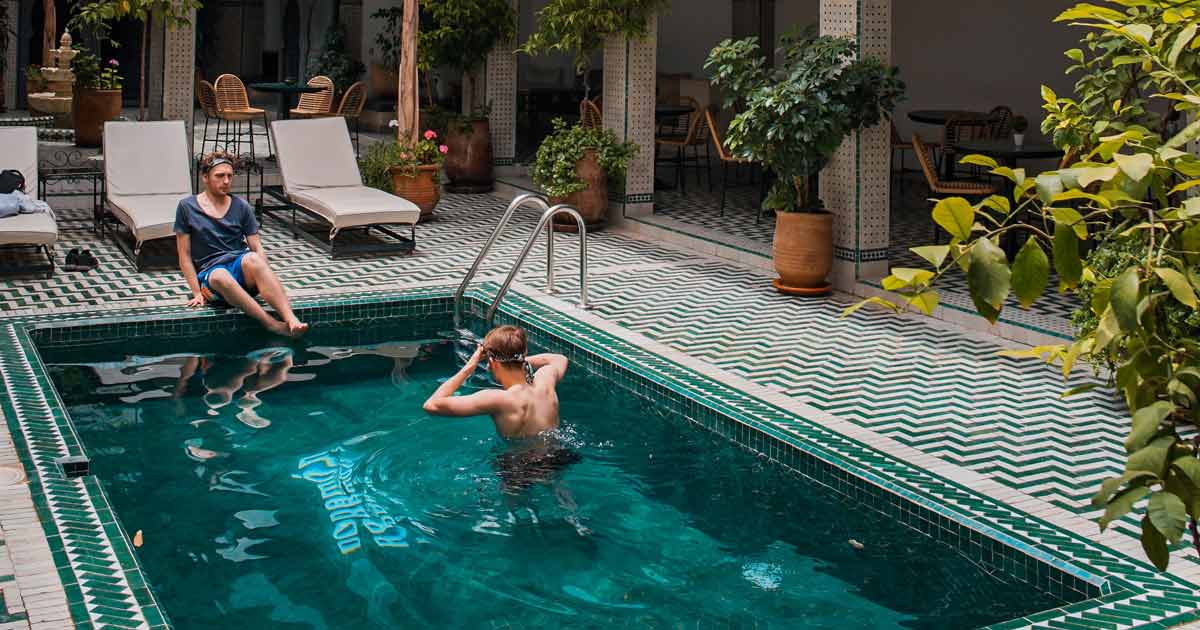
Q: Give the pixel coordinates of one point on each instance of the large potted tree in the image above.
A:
(573, 166)
(460, 34)
(794, 117)
(97, 97)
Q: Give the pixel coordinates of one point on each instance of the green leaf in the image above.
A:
(1049, 186)
(1136, 166)
(878, 301)
(1121, 504)
(1087, 176)
(980, 160)
(1146, 422)
(912, 276)
(1111, 485)
(1168, 514)
(956, 216)
(998, 203)
(1189, 242)
(1066, 255)
(925, 301)
(1030, 273)
(1185, 37)
(1142, 33)
(1152, 458)
(1071, 218)
(1178, 284)
(1155, 545)
(934, 254)
(988, 278)
(1190, 467)
(1124, 299)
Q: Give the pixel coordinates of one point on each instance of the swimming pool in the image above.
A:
(711, 532)
(304, 485)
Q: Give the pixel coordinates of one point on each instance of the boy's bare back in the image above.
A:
(528, 410)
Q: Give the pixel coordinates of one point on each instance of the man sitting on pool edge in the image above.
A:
(217, 234)
(524, 407)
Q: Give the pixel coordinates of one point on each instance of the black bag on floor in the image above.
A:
(11, 180)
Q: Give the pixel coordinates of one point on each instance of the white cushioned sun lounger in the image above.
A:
(38, 229)
(321, 178)
(147, 172)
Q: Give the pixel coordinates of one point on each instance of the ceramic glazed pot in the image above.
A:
(592, 202)
(422, 189)
(803, 252)
(91, 109)
(469, 162)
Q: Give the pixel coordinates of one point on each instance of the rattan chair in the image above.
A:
(315, 104)
(955, 132)
(726, 158)
(1000, 126)
(233, 106)
(589, 114)
(938, 187)
(351, 107)
(207, 95)
(685, 131)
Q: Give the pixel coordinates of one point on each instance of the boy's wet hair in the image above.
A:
(211, 160)
(506, 344)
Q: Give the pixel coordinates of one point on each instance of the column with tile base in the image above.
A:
(856, 185)
(179, 72)
(630, 67)
(501, 95)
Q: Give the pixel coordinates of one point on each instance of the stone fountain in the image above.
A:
(60, 84)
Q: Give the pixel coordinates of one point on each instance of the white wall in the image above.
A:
(977, 54)
(689, 31)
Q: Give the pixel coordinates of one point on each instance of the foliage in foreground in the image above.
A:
(1127, 190)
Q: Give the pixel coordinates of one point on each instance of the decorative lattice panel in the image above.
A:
(11, 75)
(501, 92)
(179, 67)
(630, 73)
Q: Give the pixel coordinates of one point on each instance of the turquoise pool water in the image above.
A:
(302, 486)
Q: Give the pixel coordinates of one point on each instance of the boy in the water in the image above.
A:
(524, 407)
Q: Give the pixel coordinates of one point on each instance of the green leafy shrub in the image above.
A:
(554, 167)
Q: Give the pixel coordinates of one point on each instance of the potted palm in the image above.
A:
(406, 169)
(460, 34)
(794, 118)
(573, 165)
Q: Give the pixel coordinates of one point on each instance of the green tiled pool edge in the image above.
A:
(87, 540)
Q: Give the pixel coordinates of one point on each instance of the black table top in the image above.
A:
(665, 111)
(1005, 149)
(942, 116)
(300, 88)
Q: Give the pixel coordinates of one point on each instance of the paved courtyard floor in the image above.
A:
(908, 380)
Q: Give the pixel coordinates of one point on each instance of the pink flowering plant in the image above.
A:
(381, 157)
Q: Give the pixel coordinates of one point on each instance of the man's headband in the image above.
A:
(215, 163)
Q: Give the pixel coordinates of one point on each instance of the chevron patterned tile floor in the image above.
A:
(924, 384)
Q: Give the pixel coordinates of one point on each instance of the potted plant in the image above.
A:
(794, 118)
(406, 169)
(460, 34)
(97, 97)
(573, 165)
(35, 82)
(1019, 125)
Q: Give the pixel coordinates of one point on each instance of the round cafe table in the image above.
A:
(942, 116)
(286, 91)
(670, 111)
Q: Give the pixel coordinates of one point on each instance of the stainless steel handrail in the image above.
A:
(517, 203)
(545, 222)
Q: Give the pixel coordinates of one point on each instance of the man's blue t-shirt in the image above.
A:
(215, 241)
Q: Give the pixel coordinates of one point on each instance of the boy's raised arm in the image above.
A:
(443, 402)
(557, 363)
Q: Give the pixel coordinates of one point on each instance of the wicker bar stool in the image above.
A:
(233, 106)
(940, 188)
(351, 107)
(723, 155)
(686, 131)
(315, 104)
(207, 95)
(589, 114)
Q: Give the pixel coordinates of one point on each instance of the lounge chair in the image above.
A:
(321, 179)
(37, 230)
(146, 173)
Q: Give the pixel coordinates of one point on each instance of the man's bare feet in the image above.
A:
(297, 329)
(278, 328)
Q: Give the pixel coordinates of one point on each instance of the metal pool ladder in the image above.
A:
(548, 213)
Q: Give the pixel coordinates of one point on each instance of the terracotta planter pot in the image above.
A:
(91, 109)
(469, 162)
(803, 252)
(592, 202)
(421, 189)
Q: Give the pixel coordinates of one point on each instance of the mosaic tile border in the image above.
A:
(87, 540)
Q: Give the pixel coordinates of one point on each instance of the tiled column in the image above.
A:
(179, 72)
(630, 67)
(501, 92)
(154, 70)
(856, 185)
(12, 73)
